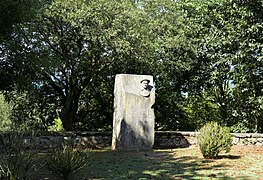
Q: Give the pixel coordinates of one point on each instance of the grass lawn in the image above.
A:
(182, 163)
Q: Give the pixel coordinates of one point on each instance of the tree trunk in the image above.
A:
(70, 109)
(67, 118)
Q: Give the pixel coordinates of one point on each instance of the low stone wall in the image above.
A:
(93, 140)
(173, 139)
(163, 140)
(247, 139)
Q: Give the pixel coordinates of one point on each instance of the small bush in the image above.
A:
(64, 164)
(213, 138)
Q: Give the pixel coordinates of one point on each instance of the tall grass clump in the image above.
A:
(18, 158)
(213, 139)
(66, 163)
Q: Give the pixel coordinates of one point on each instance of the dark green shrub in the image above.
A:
(18, 166)
(65, 163)
(18, 158)
(213, 138)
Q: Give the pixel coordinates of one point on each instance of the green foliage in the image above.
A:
(96, 115)
(5, 112)
(13, 12)
(66, 163)
(213, 138)
(30, 111)
(221, 68)
(240, 127)
(201, 110)
(83, 40)
(205, 56)
(57, 126)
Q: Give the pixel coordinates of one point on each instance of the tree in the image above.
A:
(248, 67)
(208, 63)
(205, 56)
(12, 14)
(236, 46)
(64, 54)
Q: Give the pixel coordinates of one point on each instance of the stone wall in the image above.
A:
(173, 139)
(163, 140)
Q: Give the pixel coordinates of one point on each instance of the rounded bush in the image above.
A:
(213, 139)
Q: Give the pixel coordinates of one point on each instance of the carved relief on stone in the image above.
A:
(145, 88)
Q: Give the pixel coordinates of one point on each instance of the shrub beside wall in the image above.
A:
(213, 139)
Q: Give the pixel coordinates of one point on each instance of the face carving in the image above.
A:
(145, 84)
(145, 92)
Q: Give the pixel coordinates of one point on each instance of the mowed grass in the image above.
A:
(181, 163)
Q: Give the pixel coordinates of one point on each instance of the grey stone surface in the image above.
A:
(133, 119)
(102, 140)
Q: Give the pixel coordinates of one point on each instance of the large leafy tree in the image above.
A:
(248, 66)
(206, 57)
(12, 14)
(211, 59)
(226, 69)
(64, 54)
(236, 44)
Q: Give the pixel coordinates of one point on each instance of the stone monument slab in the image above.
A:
(133, 119)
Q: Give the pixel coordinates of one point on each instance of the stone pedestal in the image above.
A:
(133, 119)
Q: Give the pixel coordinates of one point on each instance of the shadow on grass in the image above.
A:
(228, 157)
(153, 165)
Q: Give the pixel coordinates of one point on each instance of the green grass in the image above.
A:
(182, 163)
(185, 163)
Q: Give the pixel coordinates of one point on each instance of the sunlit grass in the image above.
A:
(185, 163)
(182, 163)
